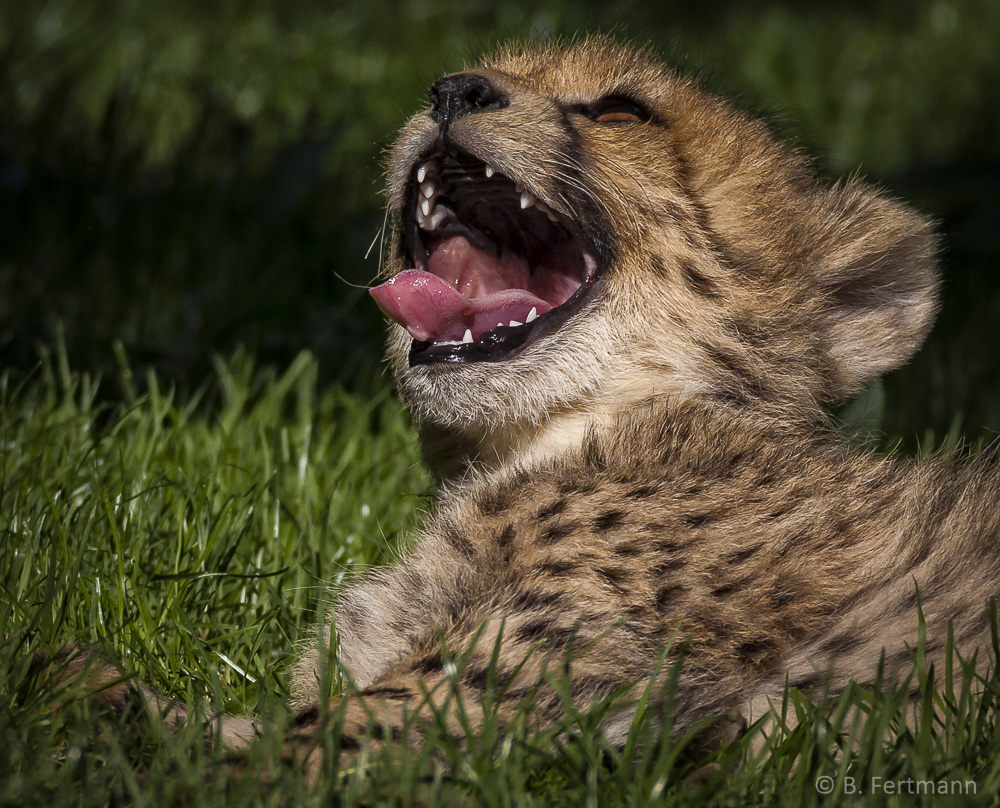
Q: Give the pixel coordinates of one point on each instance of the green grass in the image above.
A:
(197, 540)
(184, 178)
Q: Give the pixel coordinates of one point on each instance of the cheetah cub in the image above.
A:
(620, 308)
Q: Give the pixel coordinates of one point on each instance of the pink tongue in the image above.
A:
(432, 309)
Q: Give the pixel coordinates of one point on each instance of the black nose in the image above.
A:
(458, 95)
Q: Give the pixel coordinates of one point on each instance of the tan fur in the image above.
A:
(662, 463)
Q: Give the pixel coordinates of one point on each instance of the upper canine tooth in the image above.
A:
(533, 314)
(527, 200)
(427, 190)
(422, 172)
(489, 171)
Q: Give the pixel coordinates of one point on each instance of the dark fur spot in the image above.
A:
(534, 630)
(630, 549)
(560, 635)
(350, 743)
(308, 717)
(458, 542)
(668, 545)
(726, 589)
(642, 491)
(782, 598)
(696, 520)
(806, 681)
(668, 594)
(531, 600)
(476, 676)
(752, 333)
(746, 377)
(668, 564)
(735, 459)
(739, 556)
(557, 533)
(391, 693)
(552, 509)
(697, 282)
(753, 651)
(608, 520)
(428, 663)
(618, 577)
(557, 568)
(495, 501)
(505, 542)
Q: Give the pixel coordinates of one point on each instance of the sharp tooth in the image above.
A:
(427, 190)
(489, 171)
(421, 173)
(532, 315)
(468, 336)
(425, 206)
(515, 322)
(499, 325)
(437, 218)
(527, 200)
(423, 220)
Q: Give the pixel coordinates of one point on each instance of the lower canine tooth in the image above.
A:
(515, 322)
(437, 218)
(532, 315)
(468, 335)
(527, 200)
(425, 206)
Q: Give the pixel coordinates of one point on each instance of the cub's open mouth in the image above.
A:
(492, 268)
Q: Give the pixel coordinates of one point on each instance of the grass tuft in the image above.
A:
(197, 540)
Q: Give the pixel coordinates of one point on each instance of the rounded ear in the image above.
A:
(875, 265)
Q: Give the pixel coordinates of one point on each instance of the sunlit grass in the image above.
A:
(197, 541)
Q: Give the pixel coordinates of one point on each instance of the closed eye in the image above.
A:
(614, 110)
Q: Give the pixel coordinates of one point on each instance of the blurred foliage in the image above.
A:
(189, 176)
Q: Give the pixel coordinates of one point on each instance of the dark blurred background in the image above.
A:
(186, 177)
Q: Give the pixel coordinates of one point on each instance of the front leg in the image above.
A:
(379, 620)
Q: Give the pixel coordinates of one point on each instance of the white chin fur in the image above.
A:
(477, 399)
